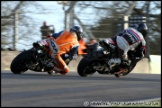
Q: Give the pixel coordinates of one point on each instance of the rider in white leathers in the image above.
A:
(130, 38)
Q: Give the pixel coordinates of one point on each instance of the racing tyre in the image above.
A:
(84, 68)
(19, 63)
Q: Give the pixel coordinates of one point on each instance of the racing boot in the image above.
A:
(59, 70)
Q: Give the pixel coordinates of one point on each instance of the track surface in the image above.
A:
(36, 89)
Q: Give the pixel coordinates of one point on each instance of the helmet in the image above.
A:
(142, 28)
(78, 30)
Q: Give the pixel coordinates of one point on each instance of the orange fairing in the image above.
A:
(82, 47)
(66, 41)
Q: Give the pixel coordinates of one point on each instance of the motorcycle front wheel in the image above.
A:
(19, 63)
(84, 68)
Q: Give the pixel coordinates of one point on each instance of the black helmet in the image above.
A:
(142, 28)
(78, 30)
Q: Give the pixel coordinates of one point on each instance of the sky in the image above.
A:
(54, 16)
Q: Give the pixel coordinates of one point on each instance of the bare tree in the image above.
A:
(98, 17)
(108, 13)
(25, 24)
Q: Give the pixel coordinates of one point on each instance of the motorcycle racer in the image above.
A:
(130, 38)
(62, 43)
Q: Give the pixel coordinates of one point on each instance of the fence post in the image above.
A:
(15, 37)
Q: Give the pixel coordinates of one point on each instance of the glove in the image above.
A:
(65, 57)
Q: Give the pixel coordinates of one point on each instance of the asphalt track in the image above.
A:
(36, 89)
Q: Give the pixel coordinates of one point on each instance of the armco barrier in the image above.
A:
(144, 66)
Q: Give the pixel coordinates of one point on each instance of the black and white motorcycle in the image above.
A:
(97, 60)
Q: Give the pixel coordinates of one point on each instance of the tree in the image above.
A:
(110, 13)
(26, 24)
